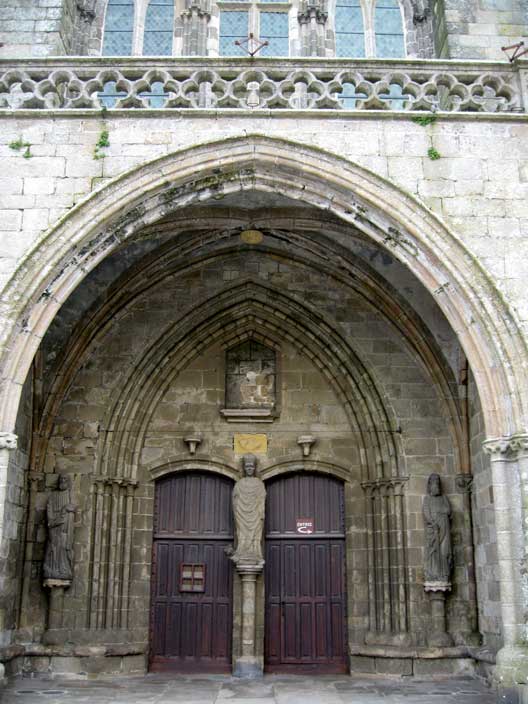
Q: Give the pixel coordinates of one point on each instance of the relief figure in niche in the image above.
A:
(250, 376)
(437, 518)
(249, 499)
(60, 515)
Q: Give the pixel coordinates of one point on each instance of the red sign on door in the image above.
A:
(305, 526)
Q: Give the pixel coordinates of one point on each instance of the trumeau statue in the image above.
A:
(438, 550)
(60, 515)
(249, 497)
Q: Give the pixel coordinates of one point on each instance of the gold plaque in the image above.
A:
(251, 236)
(255, 444)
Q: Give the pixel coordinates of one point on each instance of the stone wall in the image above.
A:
(478, 29)
(35, 28)
(479, 186)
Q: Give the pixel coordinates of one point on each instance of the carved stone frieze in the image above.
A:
(280, 83)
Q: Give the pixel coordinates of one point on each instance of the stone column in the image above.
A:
(195, 20)
(56, 601)
(509, 466)
(439, 638)
(8, 443)
(248, 664)
(469, 630)
(312, 20)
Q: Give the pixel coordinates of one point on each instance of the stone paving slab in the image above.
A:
(178, 689)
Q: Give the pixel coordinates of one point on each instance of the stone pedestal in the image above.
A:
(439, 637)
(248, 664)
(56, 601)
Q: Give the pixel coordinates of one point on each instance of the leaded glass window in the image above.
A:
(119, 27)
(234, 24)
(157, 39)
(274, 30)
(264, 21)
(350, 33)
(388, 27)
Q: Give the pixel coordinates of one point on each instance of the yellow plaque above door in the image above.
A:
(254, 443)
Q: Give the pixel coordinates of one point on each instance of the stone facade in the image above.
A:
(378, 250)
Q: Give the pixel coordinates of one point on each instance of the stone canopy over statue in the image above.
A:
(249, 498)
(438, 549)
(60, 515)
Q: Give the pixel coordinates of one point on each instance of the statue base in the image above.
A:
(437, 586)
(439, 637)
(64, 583)
(248, 667)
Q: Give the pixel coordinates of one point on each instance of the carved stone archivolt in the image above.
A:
(387, 580)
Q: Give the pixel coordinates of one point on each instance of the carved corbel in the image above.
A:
(306, 442)
(192, 442)
(8, 441)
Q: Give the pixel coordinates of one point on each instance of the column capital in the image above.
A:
(507, 448)
(8, 441)
(464, 483)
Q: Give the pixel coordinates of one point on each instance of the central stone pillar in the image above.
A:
(249, 498)
(248, 664)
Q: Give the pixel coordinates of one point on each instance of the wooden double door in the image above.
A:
(305, 625)
(191, 616)
(191, 604)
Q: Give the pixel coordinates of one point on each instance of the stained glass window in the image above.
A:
(350, 34)
(274, 30)
(389, 30)
(119, 26)
(157, 39)
(234, 24)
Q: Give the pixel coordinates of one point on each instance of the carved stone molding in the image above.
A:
(8, 441)
(506, 448)
(395, 485)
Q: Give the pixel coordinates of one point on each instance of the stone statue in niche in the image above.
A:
(438, 549)
(60, 515)
(249, 498)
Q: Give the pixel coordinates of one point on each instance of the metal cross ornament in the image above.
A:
(251, 45)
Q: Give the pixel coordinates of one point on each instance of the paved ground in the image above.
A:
(165, 689)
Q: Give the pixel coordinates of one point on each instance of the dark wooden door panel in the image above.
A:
(305, 576)
(305, 496)
(191, 611)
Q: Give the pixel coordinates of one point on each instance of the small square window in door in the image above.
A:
(192, 577)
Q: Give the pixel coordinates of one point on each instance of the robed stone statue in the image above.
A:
(249, 498)
(60, 515)
(437, 518)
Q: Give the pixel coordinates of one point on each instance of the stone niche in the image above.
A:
(250, 383)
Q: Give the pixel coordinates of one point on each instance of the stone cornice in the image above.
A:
(8, 441)
(506, 448)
